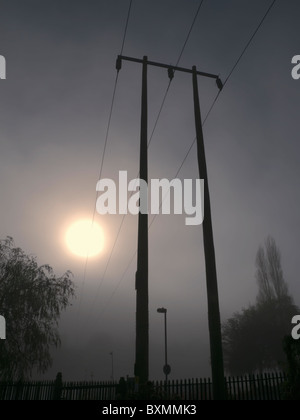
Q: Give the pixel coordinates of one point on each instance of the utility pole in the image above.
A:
(216, 352)
(142, 326)
(141, 369)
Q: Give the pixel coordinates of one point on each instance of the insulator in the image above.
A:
(119, 63)
(219, 83)
(170, 73)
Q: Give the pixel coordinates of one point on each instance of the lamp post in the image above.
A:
(112, 365)
(167, 368)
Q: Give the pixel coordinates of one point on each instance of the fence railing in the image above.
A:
(251, 387)
(88, 391)
(33, 390)
(256, 387)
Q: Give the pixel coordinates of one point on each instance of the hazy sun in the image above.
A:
(85, 238)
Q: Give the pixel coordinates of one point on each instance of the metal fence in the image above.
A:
(88, 391)
(33, 390)
(251, 387)
(256, 387)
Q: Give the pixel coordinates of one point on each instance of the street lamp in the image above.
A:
(112, 365)
(166, 368)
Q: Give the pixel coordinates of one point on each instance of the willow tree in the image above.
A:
(32, 298)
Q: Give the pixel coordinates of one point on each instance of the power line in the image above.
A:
(104, 149)
(113, 97)
(186, 155)
(107, 264)
(117, 286)
(206, 117)
(250, 40)
(126, 26)
(189, 33)
(194, 141)
(227, 78)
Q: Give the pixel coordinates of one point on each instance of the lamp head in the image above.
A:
(162, 310)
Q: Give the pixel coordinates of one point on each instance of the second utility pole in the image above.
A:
(214, 322)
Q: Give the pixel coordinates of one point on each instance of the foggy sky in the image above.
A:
(54, 109)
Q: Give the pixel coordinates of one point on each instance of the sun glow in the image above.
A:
(85, 238)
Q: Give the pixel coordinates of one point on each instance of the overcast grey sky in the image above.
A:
(54, 110)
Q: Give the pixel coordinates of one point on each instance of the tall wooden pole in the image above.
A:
(214, 322)
(141, 369)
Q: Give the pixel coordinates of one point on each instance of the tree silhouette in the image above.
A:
(269, 273)
(252, 338)
(31, 300)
